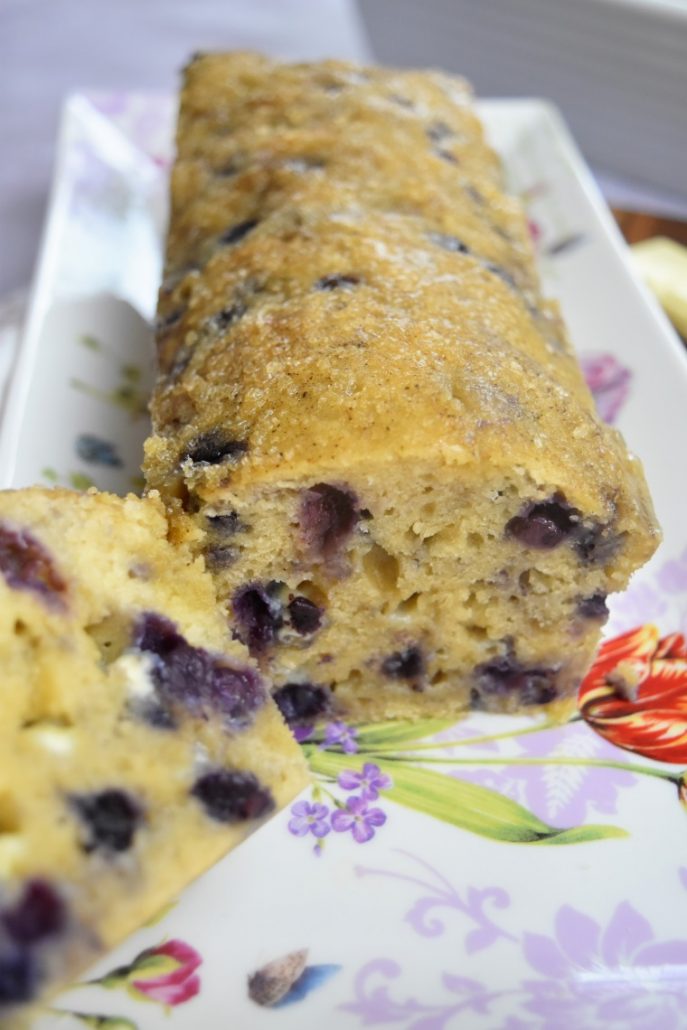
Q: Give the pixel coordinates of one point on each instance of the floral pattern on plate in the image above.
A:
(584, 975)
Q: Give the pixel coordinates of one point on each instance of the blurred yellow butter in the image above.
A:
(662, 263)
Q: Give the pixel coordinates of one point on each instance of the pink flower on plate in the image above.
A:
(534, 230)
(166, 974)
(609, 382)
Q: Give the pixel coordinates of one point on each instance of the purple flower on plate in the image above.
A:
(309, 818)
(341, 734)
(371, 779)
(609, 382)
(618, 977)
(359, 819)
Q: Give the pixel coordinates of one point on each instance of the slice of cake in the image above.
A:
(137, 741)
(367, 417)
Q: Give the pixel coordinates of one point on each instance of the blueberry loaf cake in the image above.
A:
(137, 740)
(367, 418)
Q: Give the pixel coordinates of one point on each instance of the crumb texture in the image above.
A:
(138, 742)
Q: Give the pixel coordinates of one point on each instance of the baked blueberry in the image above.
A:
(110, 817)
(476, 700)
(39, 913)
(504, 675)
(237, 232)
(538, 689)
(155, 713)
(327, 517)
(166, 322)
(19, 975)
(213, 447)
(26, 565)
(593, 607)
(594, 544)
(304, 615)
(177, 363)
(222, 319)
(408, 664)
(439, 131)
(193, 678)
(448, 242)
(226, 524)
(219, 558)
(227, 170)
(474, 194)
(258, 616)
(302, 703)
(337, 282)
(232, 795)
(502, 274)
(544, 525)
(402, 101)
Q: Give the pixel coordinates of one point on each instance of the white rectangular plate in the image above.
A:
(436, 899)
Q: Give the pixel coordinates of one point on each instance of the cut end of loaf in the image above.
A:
(408, 589)
(138, 740)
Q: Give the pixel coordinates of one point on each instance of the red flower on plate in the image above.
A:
(166, 974)
(635, 694)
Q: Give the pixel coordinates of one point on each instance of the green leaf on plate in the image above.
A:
(131, 373)
(80, 481)
(109, 1022)
(582, 834)
(91, 342)
(468, 806)
(146, 962)
(401, 732)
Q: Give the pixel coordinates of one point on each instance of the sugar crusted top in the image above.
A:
(347, 281)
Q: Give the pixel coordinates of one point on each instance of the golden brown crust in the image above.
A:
(342, 169)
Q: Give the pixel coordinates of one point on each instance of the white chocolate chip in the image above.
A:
(135, 670)
(12, 848)
(201, 754)
(57, 739)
